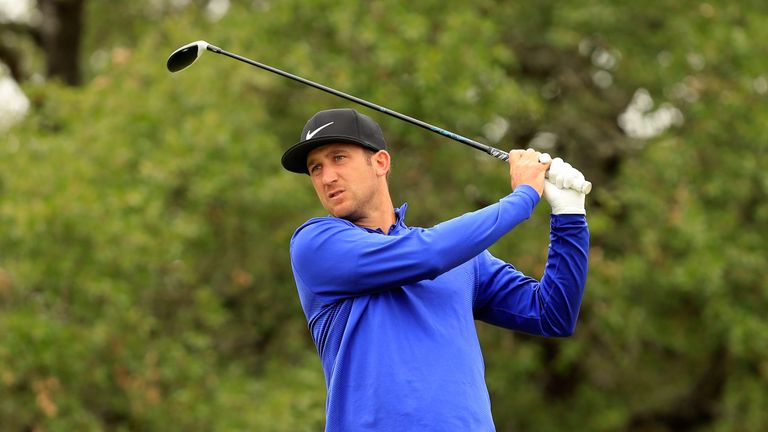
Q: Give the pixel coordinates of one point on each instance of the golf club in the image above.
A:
(188, 54)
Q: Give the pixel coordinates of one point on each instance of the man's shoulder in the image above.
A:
(318, 225)
(323, 222)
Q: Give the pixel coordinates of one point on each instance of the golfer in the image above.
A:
(392, 308)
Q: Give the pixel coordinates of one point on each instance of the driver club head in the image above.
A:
(186, 55)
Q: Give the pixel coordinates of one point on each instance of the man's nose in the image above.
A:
(329, 176)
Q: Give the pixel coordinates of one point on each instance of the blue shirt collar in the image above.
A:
(400, 215)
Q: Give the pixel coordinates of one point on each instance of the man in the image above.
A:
(391, 308)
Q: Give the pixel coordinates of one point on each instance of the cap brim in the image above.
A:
(295, 158)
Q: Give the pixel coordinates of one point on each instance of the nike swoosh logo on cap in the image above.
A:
(312, 133)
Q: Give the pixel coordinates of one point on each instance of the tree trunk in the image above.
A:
(61, 29)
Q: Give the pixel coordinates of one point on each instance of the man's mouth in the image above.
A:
(334, 194)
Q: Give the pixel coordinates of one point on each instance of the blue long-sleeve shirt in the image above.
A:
(392, 315)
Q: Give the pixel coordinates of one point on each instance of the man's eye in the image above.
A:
(314, 168)
(339, 157)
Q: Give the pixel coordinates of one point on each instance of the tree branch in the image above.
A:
(11, 59)
(23, 29)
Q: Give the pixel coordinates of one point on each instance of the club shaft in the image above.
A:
(499, 154)
(456, 137)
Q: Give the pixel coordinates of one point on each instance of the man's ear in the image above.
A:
(381, 162)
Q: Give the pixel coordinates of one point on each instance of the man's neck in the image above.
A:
(381, 219)
(380, 213)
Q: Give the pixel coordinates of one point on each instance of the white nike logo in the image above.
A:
(311, 133)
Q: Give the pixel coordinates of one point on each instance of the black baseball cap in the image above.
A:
(341, 125)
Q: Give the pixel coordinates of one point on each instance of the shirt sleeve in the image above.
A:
(335, 259)
(508, 298)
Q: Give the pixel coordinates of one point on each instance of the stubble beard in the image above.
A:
(353, 215)
(360, 209)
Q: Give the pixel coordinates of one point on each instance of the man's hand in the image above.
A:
(525, 168)
(557, 192)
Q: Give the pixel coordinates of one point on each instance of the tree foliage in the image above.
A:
(144, 273)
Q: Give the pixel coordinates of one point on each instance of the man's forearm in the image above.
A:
(365, 262)
(565, 275)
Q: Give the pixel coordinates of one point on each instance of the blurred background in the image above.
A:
(144, 216)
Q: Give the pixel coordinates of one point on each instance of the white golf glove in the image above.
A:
(557, 192)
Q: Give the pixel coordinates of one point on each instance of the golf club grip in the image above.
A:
(584, 187)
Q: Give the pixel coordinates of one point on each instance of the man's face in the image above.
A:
(345, 179)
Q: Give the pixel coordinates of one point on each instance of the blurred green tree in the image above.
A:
(144, 274)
